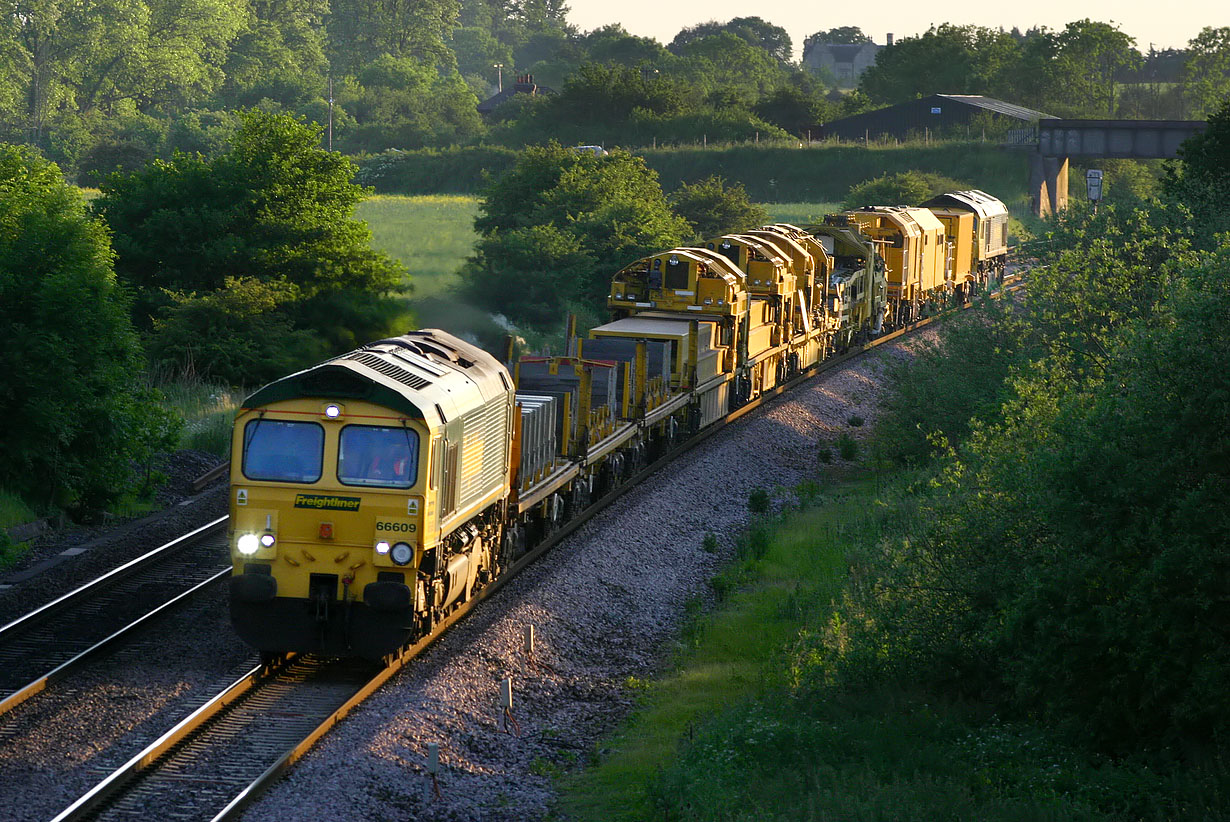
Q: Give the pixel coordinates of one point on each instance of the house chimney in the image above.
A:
(890, 38)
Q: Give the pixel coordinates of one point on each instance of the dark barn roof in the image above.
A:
(935, 113)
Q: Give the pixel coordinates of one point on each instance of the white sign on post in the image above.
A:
(1093, 184)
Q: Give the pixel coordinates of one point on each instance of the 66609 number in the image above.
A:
(399, 527)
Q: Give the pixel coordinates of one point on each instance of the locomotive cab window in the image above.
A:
(378, 456)
(280, 451)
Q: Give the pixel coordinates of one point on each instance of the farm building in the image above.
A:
(939, 114)
(524, 85)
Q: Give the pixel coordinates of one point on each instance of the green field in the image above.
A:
(431, 235)
(800, 214)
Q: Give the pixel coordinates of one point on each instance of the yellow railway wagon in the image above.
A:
(915, 253)
(367, 494)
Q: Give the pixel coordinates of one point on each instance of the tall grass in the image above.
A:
(13, 510)
(208, 410)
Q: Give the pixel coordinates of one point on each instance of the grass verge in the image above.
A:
(747, 727)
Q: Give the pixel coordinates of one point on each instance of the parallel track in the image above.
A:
(219, 759)
(48, 644)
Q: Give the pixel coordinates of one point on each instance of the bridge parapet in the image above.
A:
(1134, 139)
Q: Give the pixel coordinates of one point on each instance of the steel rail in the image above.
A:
(69, 666)
(16, 632)
(111, 785)
(110, 576)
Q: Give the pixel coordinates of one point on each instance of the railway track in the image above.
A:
(50, 643)
(218, 760)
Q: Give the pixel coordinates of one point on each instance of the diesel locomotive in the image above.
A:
(376, 492)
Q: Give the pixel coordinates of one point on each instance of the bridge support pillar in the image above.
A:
(1048, 184)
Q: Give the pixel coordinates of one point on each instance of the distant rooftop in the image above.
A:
(998, 106)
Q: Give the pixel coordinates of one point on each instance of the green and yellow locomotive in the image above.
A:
(367, 495)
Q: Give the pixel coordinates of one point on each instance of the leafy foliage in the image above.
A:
(901, 188)
(75, 419)
(558, 225)
(752, 30)
(1201, 178)
(1063, 559)
(275, 208)
(712, 207)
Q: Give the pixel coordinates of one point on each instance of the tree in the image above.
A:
(556, 227)
(274, 208)
(946, 59)
(279, 55)
(902, 188)
(406, 104)
(793, 109)
(1200, 180)
(75, 415)
(712, 208)
(1207, 71)
(1089, 57)
(362, 30)
(842, 35)
(754, 31)
(729, 70)
(87, 57)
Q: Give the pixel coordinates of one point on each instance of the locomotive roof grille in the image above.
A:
(383, 366)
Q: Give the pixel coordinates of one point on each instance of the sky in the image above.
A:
(1164, 24)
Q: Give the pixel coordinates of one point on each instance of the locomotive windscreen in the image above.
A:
(281, 451)
(379, 456)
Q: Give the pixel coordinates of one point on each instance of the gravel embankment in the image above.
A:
(62, 560)
(605, 606)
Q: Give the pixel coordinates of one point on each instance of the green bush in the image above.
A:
(714, 208)
(76, 418)
(902, 188)
(758, 501)
(847, 446)
(1066, 558)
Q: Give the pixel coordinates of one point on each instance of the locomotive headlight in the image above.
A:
(248, 544)
(268, 540)
(402, 553)
(332, 411)
(382, 547)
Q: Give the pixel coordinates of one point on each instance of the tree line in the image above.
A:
(238, 268)
(111, 85)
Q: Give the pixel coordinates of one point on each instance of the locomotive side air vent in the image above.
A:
(383, 366)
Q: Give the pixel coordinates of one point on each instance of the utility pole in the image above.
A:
(499, 69)
(330, 113)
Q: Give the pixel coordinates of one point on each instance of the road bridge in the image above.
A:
(1060, 140)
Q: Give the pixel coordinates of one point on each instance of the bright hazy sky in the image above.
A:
(1165, 24)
